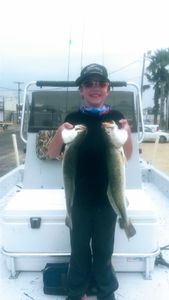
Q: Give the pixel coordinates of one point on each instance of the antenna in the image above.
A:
(68, 68)
(102, 48)
(81, 59)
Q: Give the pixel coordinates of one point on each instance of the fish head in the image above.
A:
(117, 136)
(80, 128)
(109, 127)
(68, 135)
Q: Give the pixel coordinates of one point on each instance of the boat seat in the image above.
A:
(47, 111)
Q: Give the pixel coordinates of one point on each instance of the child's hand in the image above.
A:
(124, 124)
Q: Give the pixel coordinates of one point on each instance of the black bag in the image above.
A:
(55, 279)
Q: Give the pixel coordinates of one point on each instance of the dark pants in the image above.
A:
(92, 241)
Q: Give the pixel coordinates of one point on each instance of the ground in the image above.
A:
(157, 155)
(7, 156)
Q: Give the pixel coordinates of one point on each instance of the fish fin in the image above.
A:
(123, 155)
(128, 228)
(127, 202)
(68, 222)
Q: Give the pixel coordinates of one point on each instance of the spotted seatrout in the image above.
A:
(72, 138)
(114, 140)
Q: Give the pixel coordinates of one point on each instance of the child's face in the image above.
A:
(94, 93)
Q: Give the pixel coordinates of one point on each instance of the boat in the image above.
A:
(33, 210)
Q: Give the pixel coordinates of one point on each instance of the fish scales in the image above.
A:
(69, 172)
(116, 182)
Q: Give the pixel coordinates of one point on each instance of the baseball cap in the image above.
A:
(92, 70)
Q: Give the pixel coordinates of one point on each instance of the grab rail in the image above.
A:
(23, 109)
(139, 112)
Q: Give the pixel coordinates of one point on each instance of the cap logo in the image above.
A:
(92, 68)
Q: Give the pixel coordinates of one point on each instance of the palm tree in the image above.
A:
(158, 75)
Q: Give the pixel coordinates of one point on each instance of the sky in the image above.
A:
(54, 39)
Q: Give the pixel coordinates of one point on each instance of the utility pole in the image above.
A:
(142, 74)
(2, 109)
(145, 56)
(19, 99)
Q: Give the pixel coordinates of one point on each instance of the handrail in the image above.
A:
(43, 83)
(140, 111)
(23, 109)
(67, 254)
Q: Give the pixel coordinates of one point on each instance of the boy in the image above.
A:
(93, 218)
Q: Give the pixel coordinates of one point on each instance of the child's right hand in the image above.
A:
(55, 145)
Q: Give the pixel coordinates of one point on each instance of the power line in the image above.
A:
(8, 89)
(82, 45)
(124, 67)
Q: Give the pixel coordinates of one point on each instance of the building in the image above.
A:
(8, 106)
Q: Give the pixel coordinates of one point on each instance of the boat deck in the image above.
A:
(132, 286)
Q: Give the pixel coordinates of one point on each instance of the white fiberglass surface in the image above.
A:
(132, 286)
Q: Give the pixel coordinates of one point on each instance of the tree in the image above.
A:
(158, 75)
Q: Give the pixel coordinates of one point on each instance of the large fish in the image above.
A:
(114, 138)
(72, 139)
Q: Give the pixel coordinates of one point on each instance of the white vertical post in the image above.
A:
(15, 149)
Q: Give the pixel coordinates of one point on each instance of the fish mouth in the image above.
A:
(111, 124)
(80, 127)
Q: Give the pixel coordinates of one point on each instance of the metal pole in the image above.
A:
(145, 57)
(15, 149)
(142, 74)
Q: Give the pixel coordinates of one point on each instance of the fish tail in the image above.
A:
(128, 227)
(68, 221)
